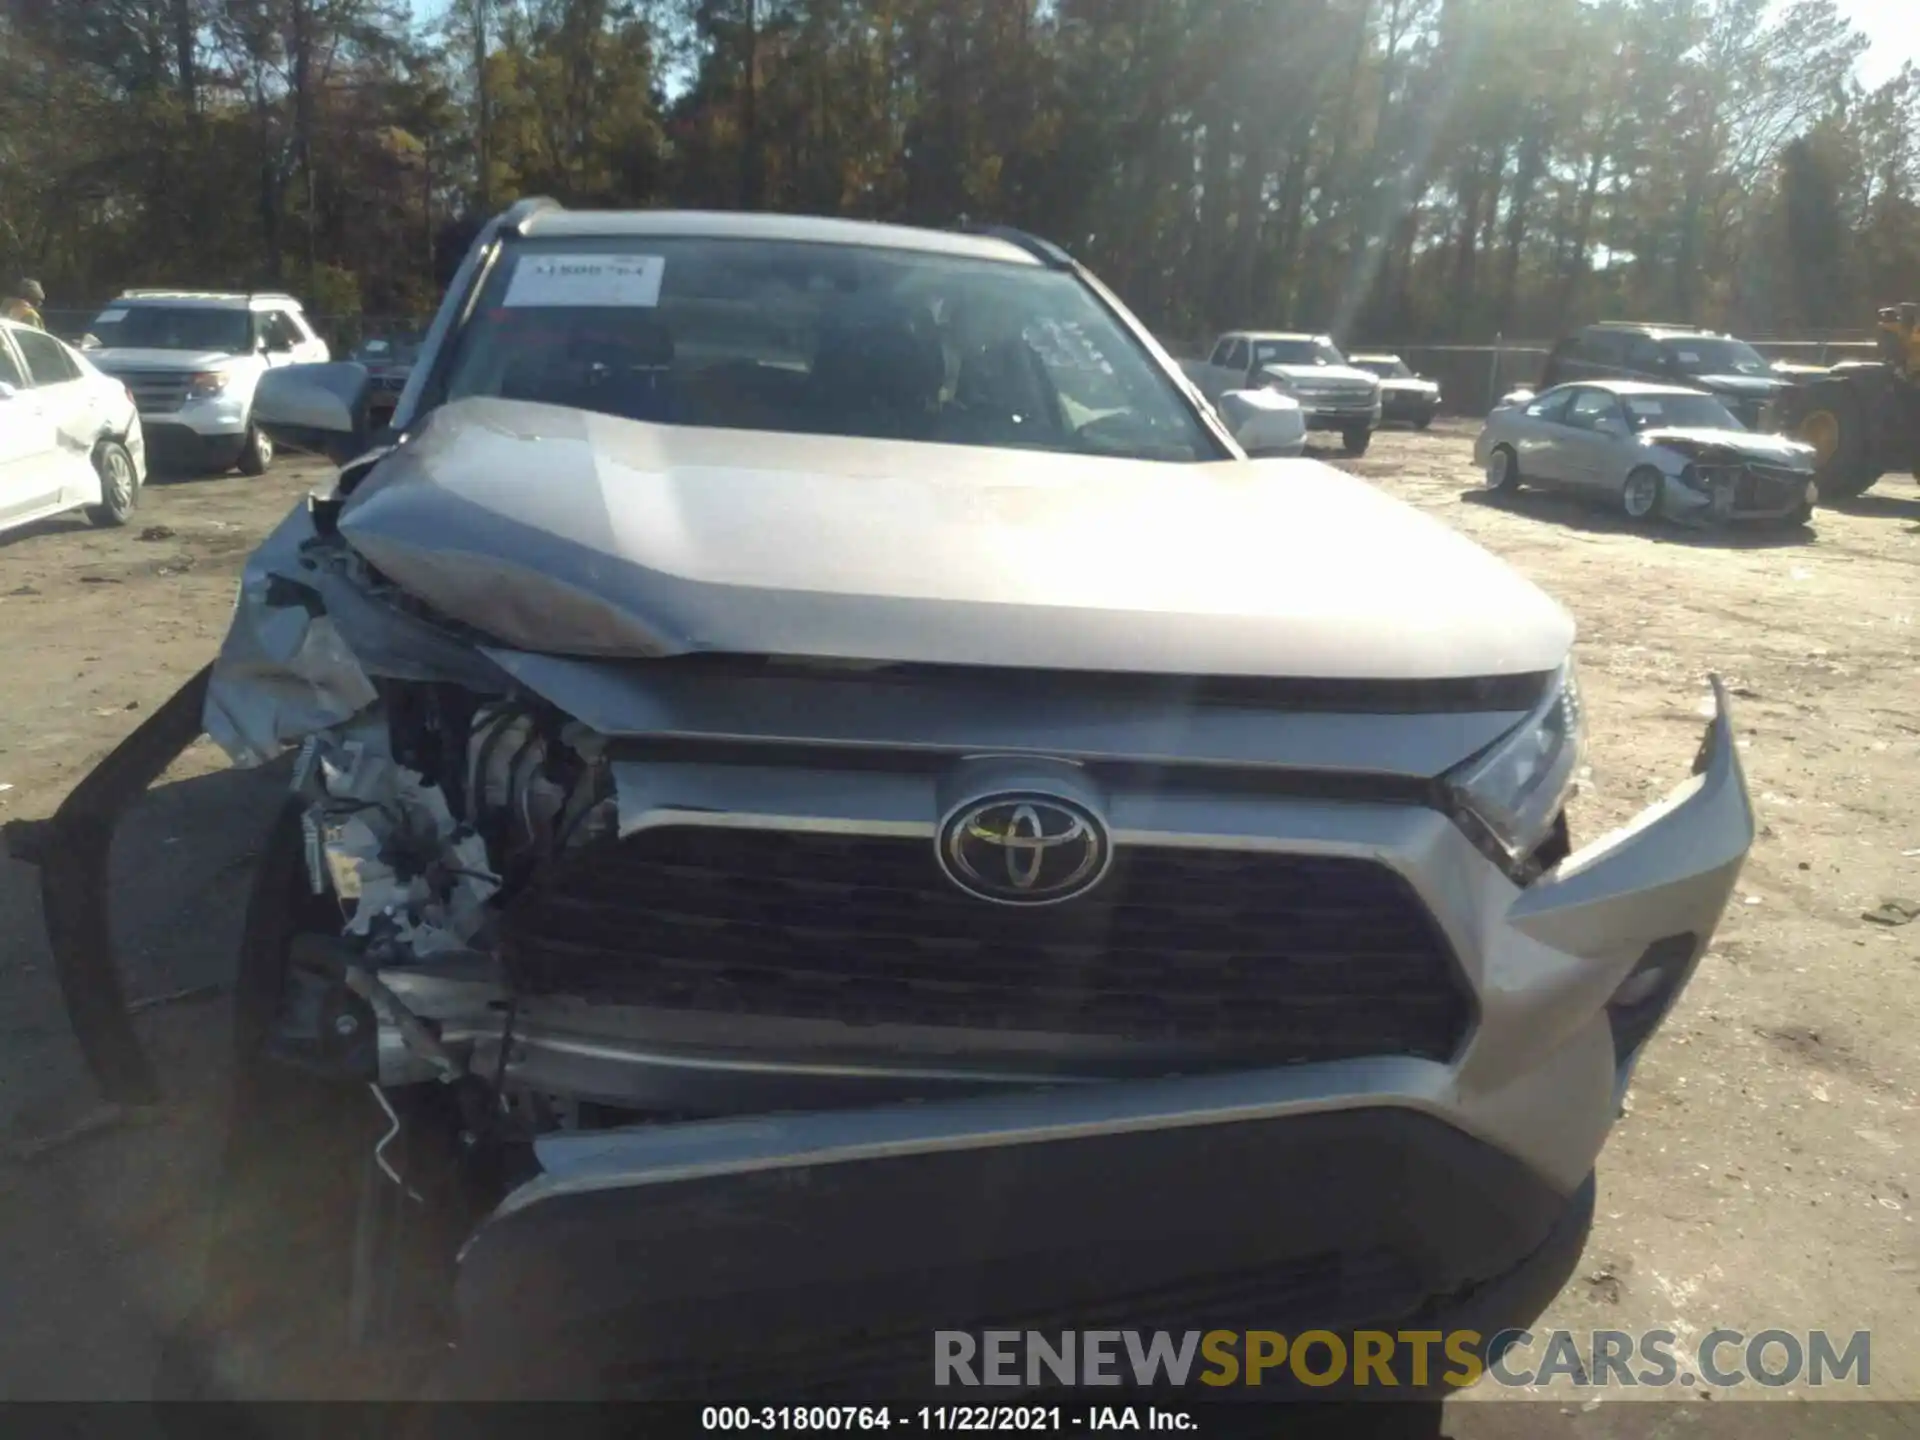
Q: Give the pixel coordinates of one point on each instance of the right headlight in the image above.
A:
(1510, 796)
(205, 384)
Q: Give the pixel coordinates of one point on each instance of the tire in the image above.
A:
(1644, 496)
(1803, 515)
(1355, 439)
(119, 485)
(1503, 470)
(1836, 418)
(1425, 422)
(257, 454)
(275, 1307)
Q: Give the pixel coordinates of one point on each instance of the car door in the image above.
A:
(58, 407)
(1646, 360)
(1536, 435)
(1595, 425)
(308, 347)
(279, 337)
(29, 476)
(1234, 368)
(71, 403)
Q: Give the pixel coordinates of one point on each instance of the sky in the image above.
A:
(1894, 28)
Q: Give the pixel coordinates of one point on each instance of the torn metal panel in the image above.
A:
(309, 634)
(417, 878)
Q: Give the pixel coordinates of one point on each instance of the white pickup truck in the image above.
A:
(1309, 369)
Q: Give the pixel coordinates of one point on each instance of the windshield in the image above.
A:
(1707, 356)
(1385, 369)
(821, 339)
(1296, 352)
(1685, 412)
(174, 327)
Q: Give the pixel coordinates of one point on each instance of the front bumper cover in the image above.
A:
(1254, 1196)
(1386, 1193)
(1338, 414)
(174, 446)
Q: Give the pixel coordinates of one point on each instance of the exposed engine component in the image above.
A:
(537, 784)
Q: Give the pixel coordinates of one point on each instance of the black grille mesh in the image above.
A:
(1272, 958)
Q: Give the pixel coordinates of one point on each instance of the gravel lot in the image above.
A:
(1760, 1179)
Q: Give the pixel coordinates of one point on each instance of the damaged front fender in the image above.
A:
(308, 642)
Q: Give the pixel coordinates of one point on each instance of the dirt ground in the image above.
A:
(1762, 1177)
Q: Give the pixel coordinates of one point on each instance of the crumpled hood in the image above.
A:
(572, 533)
(1333, 377)
(115, 360)
(1743, 444)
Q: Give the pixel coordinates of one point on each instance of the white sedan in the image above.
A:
(1656, 451)
(70, 436)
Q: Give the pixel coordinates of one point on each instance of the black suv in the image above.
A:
(1733, 370)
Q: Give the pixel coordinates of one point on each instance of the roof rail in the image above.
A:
(1651, 325)
(168, 294)
(1045, 251)
(524, 210)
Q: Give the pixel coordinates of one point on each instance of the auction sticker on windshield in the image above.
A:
(107, 317)
(616, 280)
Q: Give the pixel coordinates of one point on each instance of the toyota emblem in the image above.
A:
(1024, 849)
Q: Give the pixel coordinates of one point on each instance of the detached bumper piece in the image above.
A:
(72, 850)
(729, 1260)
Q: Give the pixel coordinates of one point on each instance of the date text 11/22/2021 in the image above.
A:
(977, 1418)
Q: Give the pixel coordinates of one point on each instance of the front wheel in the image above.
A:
(1642, 496)
(1503, 471)
(119, 484)
(1425, 422)
(257, 453)
(1355, 439)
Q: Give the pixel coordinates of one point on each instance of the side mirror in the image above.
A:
(321, 409)
(7, 392)
(1264, 422)
(89, 341)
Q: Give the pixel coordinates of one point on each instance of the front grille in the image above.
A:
(1248, 957)
(1761, 487)
(157, 392)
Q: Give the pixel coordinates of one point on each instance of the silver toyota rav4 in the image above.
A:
(829, 801)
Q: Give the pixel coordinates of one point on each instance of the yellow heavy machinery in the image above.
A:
(1863, 418)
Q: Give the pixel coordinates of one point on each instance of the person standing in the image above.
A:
(23, 305)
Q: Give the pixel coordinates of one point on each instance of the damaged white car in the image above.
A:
(831, 801)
